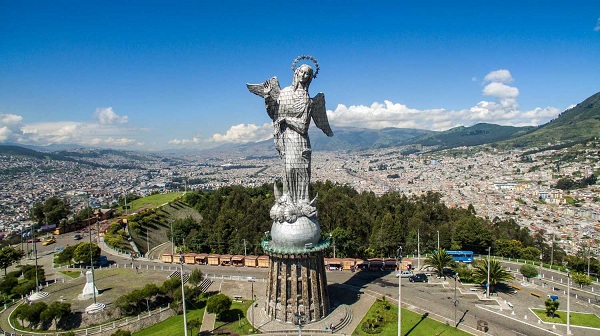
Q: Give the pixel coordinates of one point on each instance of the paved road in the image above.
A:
(437, 297)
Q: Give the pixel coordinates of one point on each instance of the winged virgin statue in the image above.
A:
(291, 110)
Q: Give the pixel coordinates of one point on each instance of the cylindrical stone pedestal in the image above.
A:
(297, 285)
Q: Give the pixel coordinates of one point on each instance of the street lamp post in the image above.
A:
(147, 242)
(568, 302)
(418, 249)
(399, 253)
(172, 244)
(438, 236)
(91, 254)
(552, 253)
(36, 261)
(541, 260)
(488, 273)
(455, 302)
(183, 295)
(251, 280)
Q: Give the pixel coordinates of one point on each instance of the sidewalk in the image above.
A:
(354, 313)
(208, 322)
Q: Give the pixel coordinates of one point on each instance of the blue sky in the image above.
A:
(153, 75)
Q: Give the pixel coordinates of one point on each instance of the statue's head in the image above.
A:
(303, 74)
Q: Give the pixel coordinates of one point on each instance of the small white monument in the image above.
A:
(90, 289)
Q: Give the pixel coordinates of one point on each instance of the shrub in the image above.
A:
(529, 271)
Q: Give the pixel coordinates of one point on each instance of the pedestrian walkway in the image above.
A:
(344, 318)
(208, 322)
(6, 327)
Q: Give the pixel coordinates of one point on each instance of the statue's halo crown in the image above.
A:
(307, 57)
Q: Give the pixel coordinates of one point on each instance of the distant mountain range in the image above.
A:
(574, 125)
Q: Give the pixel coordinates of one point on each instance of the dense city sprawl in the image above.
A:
(513, 184)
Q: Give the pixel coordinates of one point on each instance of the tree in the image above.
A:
(510, 248)
(497, 273)
(194, 324)
(581, 279)
(21, 312)
(66, 255)
(8, 284)
(55, 312)
(439, 260)
(34, 312)
(464, 272)
(82, 252)
(551, 307)
(8, 256)
(52, 211)
(195, 277)
(170, 285)
(217, 304)
(529, 271)
(565, 184)
(24, 288)
(530, 253)
(29, 273)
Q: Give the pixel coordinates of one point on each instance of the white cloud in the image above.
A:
(504, 110)
(499, 90)
(244, 133)
(10, 127)
(108, 132)
(502, 76)
(106, 116)
(597, 28)
(112, 142)
(178, 142)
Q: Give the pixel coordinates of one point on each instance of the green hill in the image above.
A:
(574, 125)
(478, 134)
(154, 228)
(26, 152)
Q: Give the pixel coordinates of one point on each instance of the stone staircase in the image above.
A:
(177, 274)
(204, 284)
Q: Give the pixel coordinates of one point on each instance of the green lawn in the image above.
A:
(173, 325)
(72, 274)
(235, 320)
(579, 319)
(152, 201)
(383, 321)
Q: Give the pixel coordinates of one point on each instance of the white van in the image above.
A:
(404, 274)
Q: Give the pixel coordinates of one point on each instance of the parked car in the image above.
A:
(49, 241)
(36, 240)
(448, 272)
(404, 274)
(77, 237)
(419, 277)
(102, 261)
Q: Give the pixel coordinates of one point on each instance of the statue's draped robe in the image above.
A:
(291, 139)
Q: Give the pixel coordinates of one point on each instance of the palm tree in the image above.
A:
(439, 260)
(497, 272)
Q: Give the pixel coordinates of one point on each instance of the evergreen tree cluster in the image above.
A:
(363, 225)
(567, 183)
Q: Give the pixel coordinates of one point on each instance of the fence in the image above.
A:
(128, 323)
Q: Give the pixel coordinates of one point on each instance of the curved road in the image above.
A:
(436, 297)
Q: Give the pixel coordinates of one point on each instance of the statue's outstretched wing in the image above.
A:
(319, 114)
(270, 94)
(259, 89)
